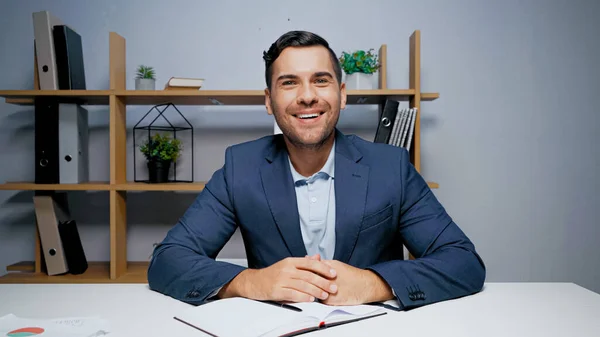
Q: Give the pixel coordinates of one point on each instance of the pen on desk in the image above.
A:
(283, 305)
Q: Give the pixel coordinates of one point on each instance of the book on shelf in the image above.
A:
(258, 318)
(184, 83)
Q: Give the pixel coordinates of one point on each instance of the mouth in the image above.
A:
(308, 116)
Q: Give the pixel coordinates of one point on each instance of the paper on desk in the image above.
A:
(13, 326)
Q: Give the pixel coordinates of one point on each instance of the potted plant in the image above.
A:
(359, 67)
(144, 79)
(160, 151)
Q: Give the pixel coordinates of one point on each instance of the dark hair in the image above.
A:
(297, 38)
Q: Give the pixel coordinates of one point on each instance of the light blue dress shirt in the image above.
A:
(316, 207)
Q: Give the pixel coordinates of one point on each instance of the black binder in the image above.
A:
(74, 253)
(68, 50)
(386, 122)
(46, 141)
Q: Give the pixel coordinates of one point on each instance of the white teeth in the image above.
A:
(308, 116)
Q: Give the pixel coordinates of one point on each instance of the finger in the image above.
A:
(306, 288)
(293, 295)
(316, 267)
(316, 280)
(314, 257)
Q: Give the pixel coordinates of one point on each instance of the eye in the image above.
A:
(322, 80)
(289, 82)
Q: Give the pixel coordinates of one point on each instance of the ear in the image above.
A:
(343, 96)
(268, 101)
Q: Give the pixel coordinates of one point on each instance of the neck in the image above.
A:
(309, 160)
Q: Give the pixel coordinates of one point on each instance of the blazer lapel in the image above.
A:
(351, 180)
(281, 196)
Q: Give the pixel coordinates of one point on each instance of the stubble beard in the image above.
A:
(293, 138)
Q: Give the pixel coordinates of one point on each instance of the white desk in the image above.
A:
(501, 309)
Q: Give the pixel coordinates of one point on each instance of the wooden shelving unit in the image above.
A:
(118, 269)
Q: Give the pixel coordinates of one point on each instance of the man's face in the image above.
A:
(305, 97)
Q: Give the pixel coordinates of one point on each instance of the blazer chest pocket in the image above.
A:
(377, 218)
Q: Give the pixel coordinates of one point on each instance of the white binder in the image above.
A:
(43, 22)
(73, 140)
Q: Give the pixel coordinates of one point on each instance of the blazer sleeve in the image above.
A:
(446, 264)
(183, 265)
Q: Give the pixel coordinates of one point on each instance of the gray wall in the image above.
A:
(511, 139)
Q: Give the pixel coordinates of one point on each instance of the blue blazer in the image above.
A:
(381, 203)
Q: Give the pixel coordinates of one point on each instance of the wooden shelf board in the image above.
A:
(193, 97)
(97, 272)
(86, 97)
(244, 97)
(30, 186)
(135, 186)
(25, 266)
(429, 96)
(19, 101)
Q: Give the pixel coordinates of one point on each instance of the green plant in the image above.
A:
(161, 147)
(359, 61)
(145, 72)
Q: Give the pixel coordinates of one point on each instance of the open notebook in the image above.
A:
(242, 317)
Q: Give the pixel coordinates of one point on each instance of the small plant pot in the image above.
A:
(158, 171)
(145, 84)
(359, 81)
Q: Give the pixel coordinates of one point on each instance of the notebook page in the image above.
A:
(239, 317)
(323, 311)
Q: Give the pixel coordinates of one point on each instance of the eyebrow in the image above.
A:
(323, 73)
(317, 74)
(286, 76)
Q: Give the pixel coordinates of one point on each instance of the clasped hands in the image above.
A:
(305, 279)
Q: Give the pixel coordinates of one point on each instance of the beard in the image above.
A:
(312, 138)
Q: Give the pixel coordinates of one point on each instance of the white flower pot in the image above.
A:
(145, 84)
(359, 81)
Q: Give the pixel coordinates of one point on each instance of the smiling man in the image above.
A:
(323, 215)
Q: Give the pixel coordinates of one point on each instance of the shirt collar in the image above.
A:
(328, 168)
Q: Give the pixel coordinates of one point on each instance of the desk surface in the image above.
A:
(501, 309)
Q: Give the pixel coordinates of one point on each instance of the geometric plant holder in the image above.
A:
(170, 128)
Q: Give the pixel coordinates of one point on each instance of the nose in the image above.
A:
(307, 95)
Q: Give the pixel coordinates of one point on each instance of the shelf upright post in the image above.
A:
(118, 157)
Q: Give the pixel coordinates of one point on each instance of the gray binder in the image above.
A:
(48, 215)
(43, 22)
(73, 140)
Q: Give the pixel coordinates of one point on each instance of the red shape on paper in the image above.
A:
(28, 330)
